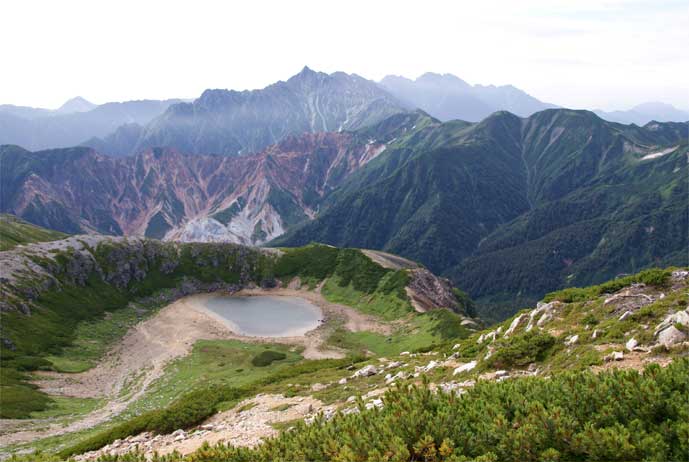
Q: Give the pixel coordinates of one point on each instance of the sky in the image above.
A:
(607, 54)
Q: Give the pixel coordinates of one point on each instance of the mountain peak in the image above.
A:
(76, 104)
(434, 78)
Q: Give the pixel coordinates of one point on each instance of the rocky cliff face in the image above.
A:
(29, 271)
(163, 194)
(233, 123)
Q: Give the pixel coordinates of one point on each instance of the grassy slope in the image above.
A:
(15, 231)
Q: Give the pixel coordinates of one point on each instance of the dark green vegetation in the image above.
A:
(520, 350)
(15, 231)
(266, 358)
(512, 208)
(611, 416)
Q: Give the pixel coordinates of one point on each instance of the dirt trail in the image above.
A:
(388, 260)
(126, 372)
(245, 425)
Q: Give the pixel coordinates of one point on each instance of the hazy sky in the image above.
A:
(578, 53)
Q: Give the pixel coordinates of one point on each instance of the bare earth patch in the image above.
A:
(245, 425)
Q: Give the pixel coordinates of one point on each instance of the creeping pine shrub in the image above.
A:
(653, 277)
(620, 415)
(521, 349)
(266, 358)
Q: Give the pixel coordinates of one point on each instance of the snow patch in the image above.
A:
(655, 155)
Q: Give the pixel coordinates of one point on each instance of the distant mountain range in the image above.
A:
(73, 123)
(230, 123)
(509, 208)
(77, 104)
(645, 113)
(447, 97)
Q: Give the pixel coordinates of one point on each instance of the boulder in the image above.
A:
(631, 344)
(671, 336)
(615, 356)
(516, 322)
(366, 371)
(465, 368)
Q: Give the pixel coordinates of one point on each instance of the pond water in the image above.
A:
(265, 316)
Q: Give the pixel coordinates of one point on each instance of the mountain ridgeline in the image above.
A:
(509, 208)
(233, 123)
(447, 97)
(512, 208)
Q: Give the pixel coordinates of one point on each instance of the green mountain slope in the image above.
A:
(512, 208)
(14, 231)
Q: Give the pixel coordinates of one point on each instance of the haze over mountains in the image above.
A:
(73, 123)
(641, 114)
(448, 97)
(229, 122)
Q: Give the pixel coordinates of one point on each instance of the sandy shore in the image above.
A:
(128, 369)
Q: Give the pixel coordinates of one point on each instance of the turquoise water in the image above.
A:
(265, 316)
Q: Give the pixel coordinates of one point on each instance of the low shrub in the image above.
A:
(521, 349)
(653, 277)
(266, 358)
(619, 415)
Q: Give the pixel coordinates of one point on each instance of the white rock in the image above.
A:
(680, 275)
(515, 323)
(393, 365)
(625, 315)
(430, 366)
(631, 344)
(615, 356)
(595, 334)
(404, 353)
(342, 381)
(366, 371)
(501, 373)
(572, 340)
(465, 367)
(671, 336)
(377, 403)
(456, 346)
